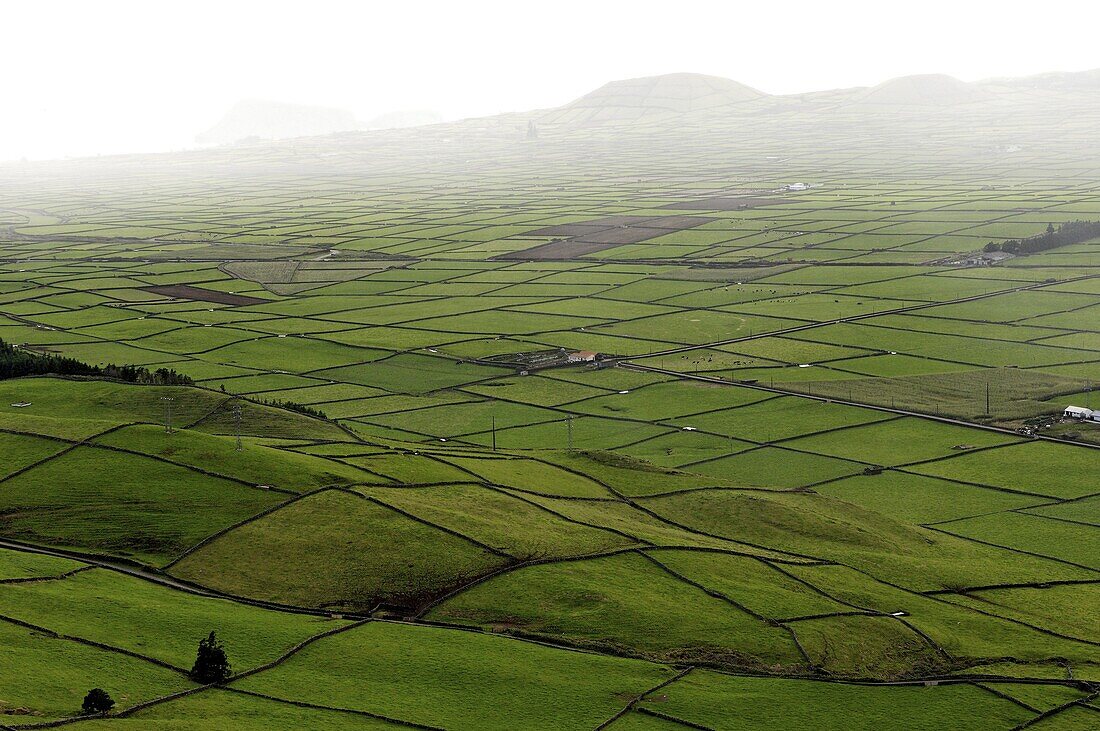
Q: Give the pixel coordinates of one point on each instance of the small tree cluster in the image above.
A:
(294, 406)
(97, 701)
(211, 663)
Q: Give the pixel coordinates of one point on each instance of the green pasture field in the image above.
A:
(1015, 394)
(759, 586)
(700, 527)
(441, 677)
(154, 621)
(403, 467)
(528, 474)
(644, 526)
(821, 527)
(589, 432)
(1037, 535)
(255, 463)
(123, 504)
(793, 350)
(1010, 470)
(1068, 609)
(595, 603)
(662, 401)
(726, 703)
(17, 565)
(22, 451)
(1084, 510)
(627, 475)
(781, 418)
(758, 468)
(46, 677)
(899, 441)
(683, 449)
(350, 552)
(504, 521)
(920, 499)
(228, 709)
(449, 422)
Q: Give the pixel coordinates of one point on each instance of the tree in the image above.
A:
(97, 701)
(211, 663)
(16, 362)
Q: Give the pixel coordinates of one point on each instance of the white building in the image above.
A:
(1080, 412)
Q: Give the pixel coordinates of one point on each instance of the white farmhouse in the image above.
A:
(1080, 412)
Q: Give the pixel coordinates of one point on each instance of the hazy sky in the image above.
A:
(103, 76)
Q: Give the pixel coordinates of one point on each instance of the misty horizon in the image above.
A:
(148, 79)
(389, 119)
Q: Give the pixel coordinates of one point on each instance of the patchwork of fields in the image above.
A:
(796, 494)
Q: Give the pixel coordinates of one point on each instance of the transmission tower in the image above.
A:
(237, 424)
(167, 413)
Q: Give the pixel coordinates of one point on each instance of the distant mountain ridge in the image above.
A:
(637, 98)
(669, 95)
(923, 90)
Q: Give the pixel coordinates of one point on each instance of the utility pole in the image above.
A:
(167, 400)
(237, 424)
(569, 426)
(494, 432)
(987, 411)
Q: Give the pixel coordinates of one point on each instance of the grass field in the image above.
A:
(816, 446)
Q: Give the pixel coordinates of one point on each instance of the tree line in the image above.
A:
(1072, 232)
(16, 362)
(294, 406)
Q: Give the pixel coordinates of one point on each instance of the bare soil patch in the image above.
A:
(187, 292)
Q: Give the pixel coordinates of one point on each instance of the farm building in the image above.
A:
(1080, 412)
(583, 356)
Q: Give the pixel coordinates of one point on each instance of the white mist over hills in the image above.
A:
(123, 76)
(703, 97)
(271, 120)
(665, 96)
